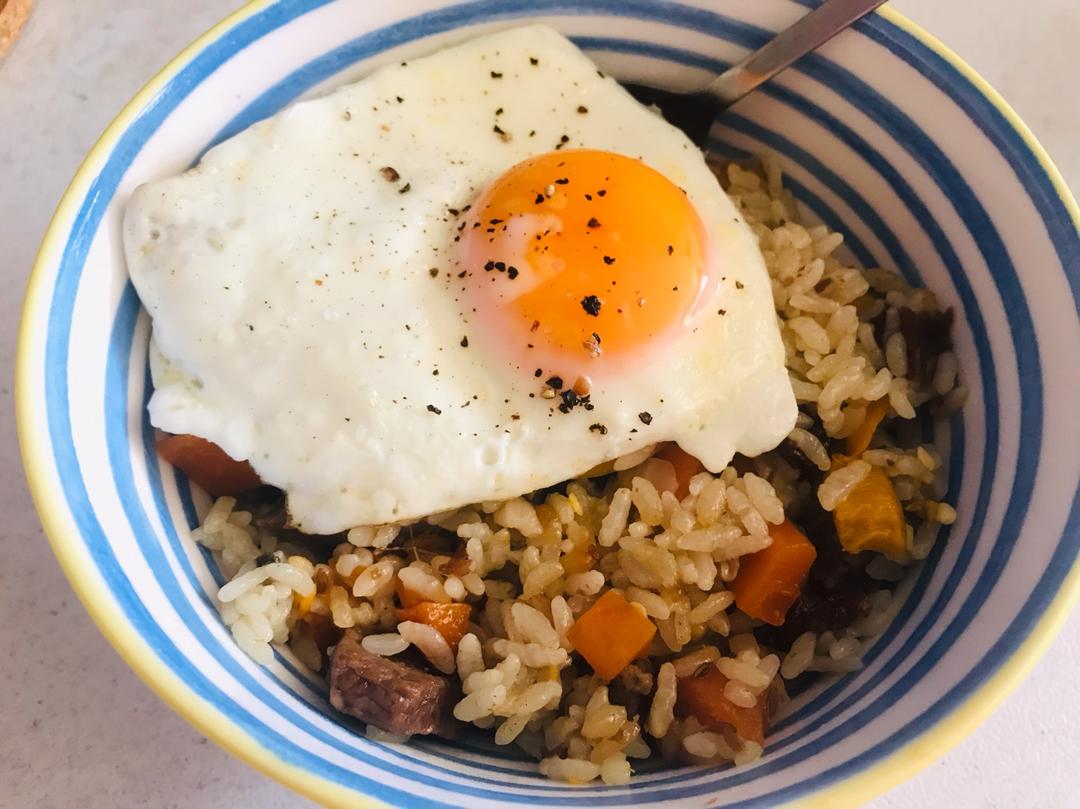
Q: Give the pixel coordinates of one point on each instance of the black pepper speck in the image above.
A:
(591, 304)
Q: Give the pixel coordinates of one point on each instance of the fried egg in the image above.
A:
(463, 278)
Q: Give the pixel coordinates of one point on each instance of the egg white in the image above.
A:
(307, 317)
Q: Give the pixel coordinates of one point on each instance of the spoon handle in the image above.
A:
(795, 41)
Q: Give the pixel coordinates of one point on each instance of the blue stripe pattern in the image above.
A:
(849, 701)
(298, 82)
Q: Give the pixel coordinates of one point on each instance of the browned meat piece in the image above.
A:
(636, 679)
(815, 610)
(390, 695)
(631, 687)
(834, 594)
(267, 507)
(791, 453)
(795, 456)
(269, 512)
(426, 541)
(927, 336)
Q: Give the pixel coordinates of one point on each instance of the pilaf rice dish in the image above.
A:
(649, 608)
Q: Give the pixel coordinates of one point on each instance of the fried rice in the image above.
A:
(532, 566)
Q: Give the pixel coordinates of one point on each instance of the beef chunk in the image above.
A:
(391, 695)
(815, 610)
(267, 507)
(269, 512)
(927, 336)
(742, 463)
(427, 541)
(631, 688)
(636, 678)
(835, 593)
(791, 453)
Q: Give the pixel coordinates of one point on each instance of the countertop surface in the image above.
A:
(80, 730)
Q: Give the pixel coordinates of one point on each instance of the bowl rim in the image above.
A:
(67, 543)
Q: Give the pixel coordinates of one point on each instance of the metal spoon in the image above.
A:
(694, 112)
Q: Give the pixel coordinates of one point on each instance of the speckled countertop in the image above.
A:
(78, 728)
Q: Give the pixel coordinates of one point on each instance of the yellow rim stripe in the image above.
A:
(97, 599)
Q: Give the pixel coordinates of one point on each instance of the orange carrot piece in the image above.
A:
(451, 620)
(701, 695)
(611, 633)
(871, 518)
(770, 580)
(857, 443)
(207, 465)
(686, 466)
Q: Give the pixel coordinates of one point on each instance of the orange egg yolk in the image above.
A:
(583, 258)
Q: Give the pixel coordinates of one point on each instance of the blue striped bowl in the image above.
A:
(884, 134)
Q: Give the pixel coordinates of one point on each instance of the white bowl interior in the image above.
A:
(880, 138)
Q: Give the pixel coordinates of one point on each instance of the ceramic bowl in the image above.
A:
(884, 134)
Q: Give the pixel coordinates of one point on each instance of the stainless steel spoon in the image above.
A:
(695, 111)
